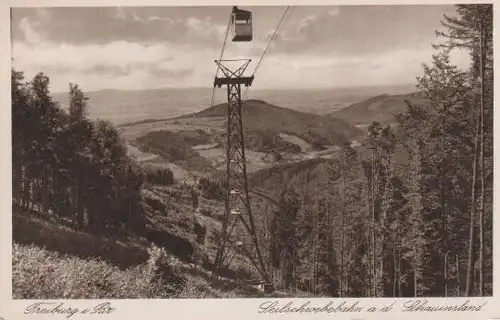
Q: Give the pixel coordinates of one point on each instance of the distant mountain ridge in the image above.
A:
(381, 108)
(129, 106)
(123, 106)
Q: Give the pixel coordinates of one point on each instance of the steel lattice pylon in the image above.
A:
(238, 234)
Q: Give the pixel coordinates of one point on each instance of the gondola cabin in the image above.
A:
(241, 25)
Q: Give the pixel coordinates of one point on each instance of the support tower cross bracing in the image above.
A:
(238, 235)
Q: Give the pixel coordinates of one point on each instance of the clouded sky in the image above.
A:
(151, 47)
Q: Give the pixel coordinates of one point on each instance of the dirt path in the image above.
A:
(304, 145)
(140, 156)
(205, 146)
(156, 161)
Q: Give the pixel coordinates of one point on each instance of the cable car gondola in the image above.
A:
(241, 21)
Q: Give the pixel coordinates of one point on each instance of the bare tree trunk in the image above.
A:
(457, 267)
(394, 257)
(445, 271)
(415, 272)
(472, 234)
(399, 271)
(294, 271)
(342, 215)
(481, 202)
(55, 192)
(444, 221)
(76, 203)
(30, 194)
(330, 230)
(314, 253)
(374, 267)
(381, 268)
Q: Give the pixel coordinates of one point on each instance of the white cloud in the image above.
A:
(95, 66)
(334, 12)
(167, 20)
(204, 28)
(92, 65)
(64, 63)
(313, 71)
(30, 34)
(120, 13)
(43, 14)
(306, 22)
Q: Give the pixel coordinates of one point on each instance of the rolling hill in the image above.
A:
(381, 108)
(261, 116)
(272, 135)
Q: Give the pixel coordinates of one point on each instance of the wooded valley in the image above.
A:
(409, 213)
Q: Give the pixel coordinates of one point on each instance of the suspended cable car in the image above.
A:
(241, 21)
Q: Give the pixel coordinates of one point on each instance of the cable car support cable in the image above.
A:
(220, 58)
(285, 14)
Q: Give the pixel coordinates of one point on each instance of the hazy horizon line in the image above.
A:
(256, 89)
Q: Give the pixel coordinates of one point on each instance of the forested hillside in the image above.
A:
(67, 165)
(409, 213)
(272, 120)
(381, 108)
(110, 228)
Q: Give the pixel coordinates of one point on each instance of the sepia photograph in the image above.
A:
(190, 152)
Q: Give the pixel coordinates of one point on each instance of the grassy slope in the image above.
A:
(122, 262)
(121, 267)
(39, 273)
(380, 108)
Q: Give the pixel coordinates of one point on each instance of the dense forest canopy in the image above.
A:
(68, 166)
(411, 215)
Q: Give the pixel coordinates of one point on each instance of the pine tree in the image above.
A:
(285, 238)
(65, 166)
(472, 29)
(80, 134)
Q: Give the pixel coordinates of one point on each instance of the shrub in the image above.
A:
(163, 177)
(41, 274)
(155, 204)
(200, 231)
(277, 157)
(206, 212)
(195, 287)
(212, 189)
(318, 146)
(268, 141)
